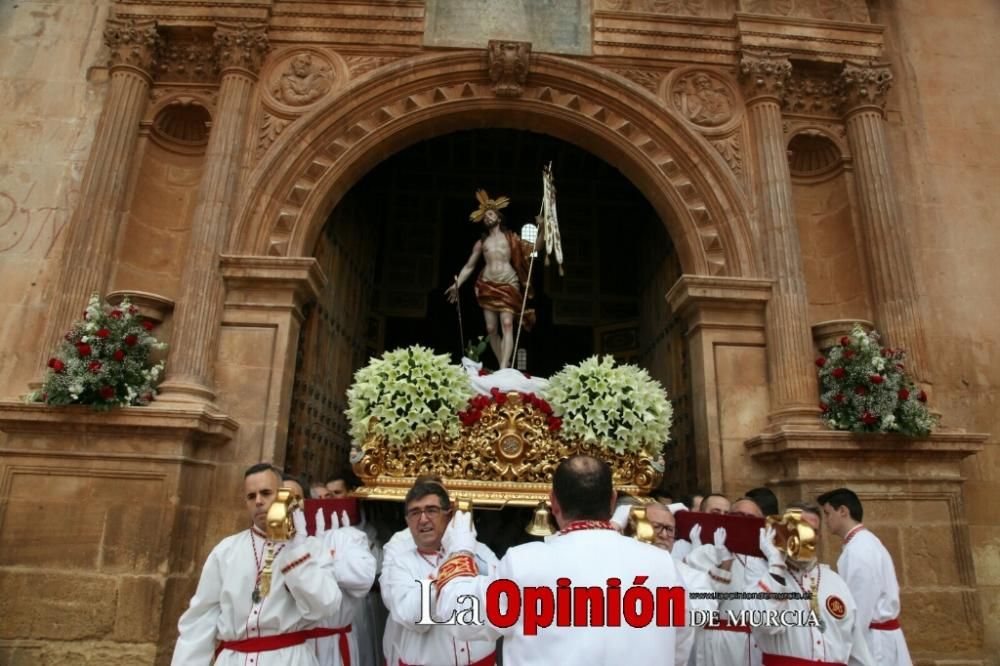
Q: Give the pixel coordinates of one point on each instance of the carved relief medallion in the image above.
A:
(508, 66)
(702, 98)
(299, 77)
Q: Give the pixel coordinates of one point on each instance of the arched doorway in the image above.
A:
(319, 158)
(393, 243)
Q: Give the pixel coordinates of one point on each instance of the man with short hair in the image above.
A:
(714, 503)
(730, 573)
(587, 553)
(804, 586)
(337, 487)
(319, 491)
(427, 511)
(765, 499)
(235, 616)
(867, 567)
(292, 482)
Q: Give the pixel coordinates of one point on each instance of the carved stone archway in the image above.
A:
(317, 159)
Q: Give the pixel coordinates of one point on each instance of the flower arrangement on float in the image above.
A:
(617, 407)
(864, 388)
(405, 395)
(104, 360)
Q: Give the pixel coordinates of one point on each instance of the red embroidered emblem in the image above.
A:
(835, 606)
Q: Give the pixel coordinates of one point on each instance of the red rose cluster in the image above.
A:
(480, 402)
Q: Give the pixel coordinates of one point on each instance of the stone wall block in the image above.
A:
(140, 601)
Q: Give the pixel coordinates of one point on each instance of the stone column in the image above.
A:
(88, 253)
(240, 50)
(792, 378)
(863, 88)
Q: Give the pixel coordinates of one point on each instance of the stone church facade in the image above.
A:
(813, 162)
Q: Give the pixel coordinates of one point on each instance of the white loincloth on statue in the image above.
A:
(505, 380)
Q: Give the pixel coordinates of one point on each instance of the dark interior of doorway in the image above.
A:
(422, 197)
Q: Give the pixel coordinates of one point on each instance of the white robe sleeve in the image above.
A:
(769, 601)
(313, 586)
(352, 560)
(196, 642)
(863, 584)
(448, 602)
(401, 593)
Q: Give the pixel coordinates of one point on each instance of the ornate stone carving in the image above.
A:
(810, 94)
(241, 46)
(510, 442)
(359, 65)
(187, 61)
(702, 99)
(508, 66)
(133, 43)
(679, 7)
(855, 11)
(863, 84)
(270, 128)
(777, 7)
(647, 78)
(303, 81)
(764, 73)
(731, 151)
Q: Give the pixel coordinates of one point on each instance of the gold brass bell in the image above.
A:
(639, 526)
(794, 535)
(541, 521)
(279, 516)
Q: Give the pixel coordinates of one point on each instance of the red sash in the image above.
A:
(725, 626)
(888, 625)
(488, 660)
(345, 647)
(779, 660)
(266, 643)
(280, 641)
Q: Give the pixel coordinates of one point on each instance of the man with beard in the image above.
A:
(500, 283)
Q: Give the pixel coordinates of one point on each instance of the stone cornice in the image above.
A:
(133, 44)
(817, 444)
(764, 74)
(863, 85)
(241, 47)
(153, 422)
(271, 282)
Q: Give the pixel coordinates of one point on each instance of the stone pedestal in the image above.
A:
(912, 496)
(101, 515)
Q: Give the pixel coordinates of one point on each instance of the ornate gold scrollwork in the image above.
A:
(506, 458)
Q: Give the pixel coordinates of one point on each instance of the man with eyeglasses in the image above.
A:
(428, 511)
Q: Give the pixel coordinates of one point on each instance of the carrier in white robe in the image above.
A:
(841, 638)
(354, 568)
(588, 558)
(409, 643)
(867, 568)
(304, 590)
(727, 644)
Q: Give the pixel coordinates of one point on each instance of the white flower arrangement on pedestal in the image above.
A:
(617, 407)
(412, 393)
